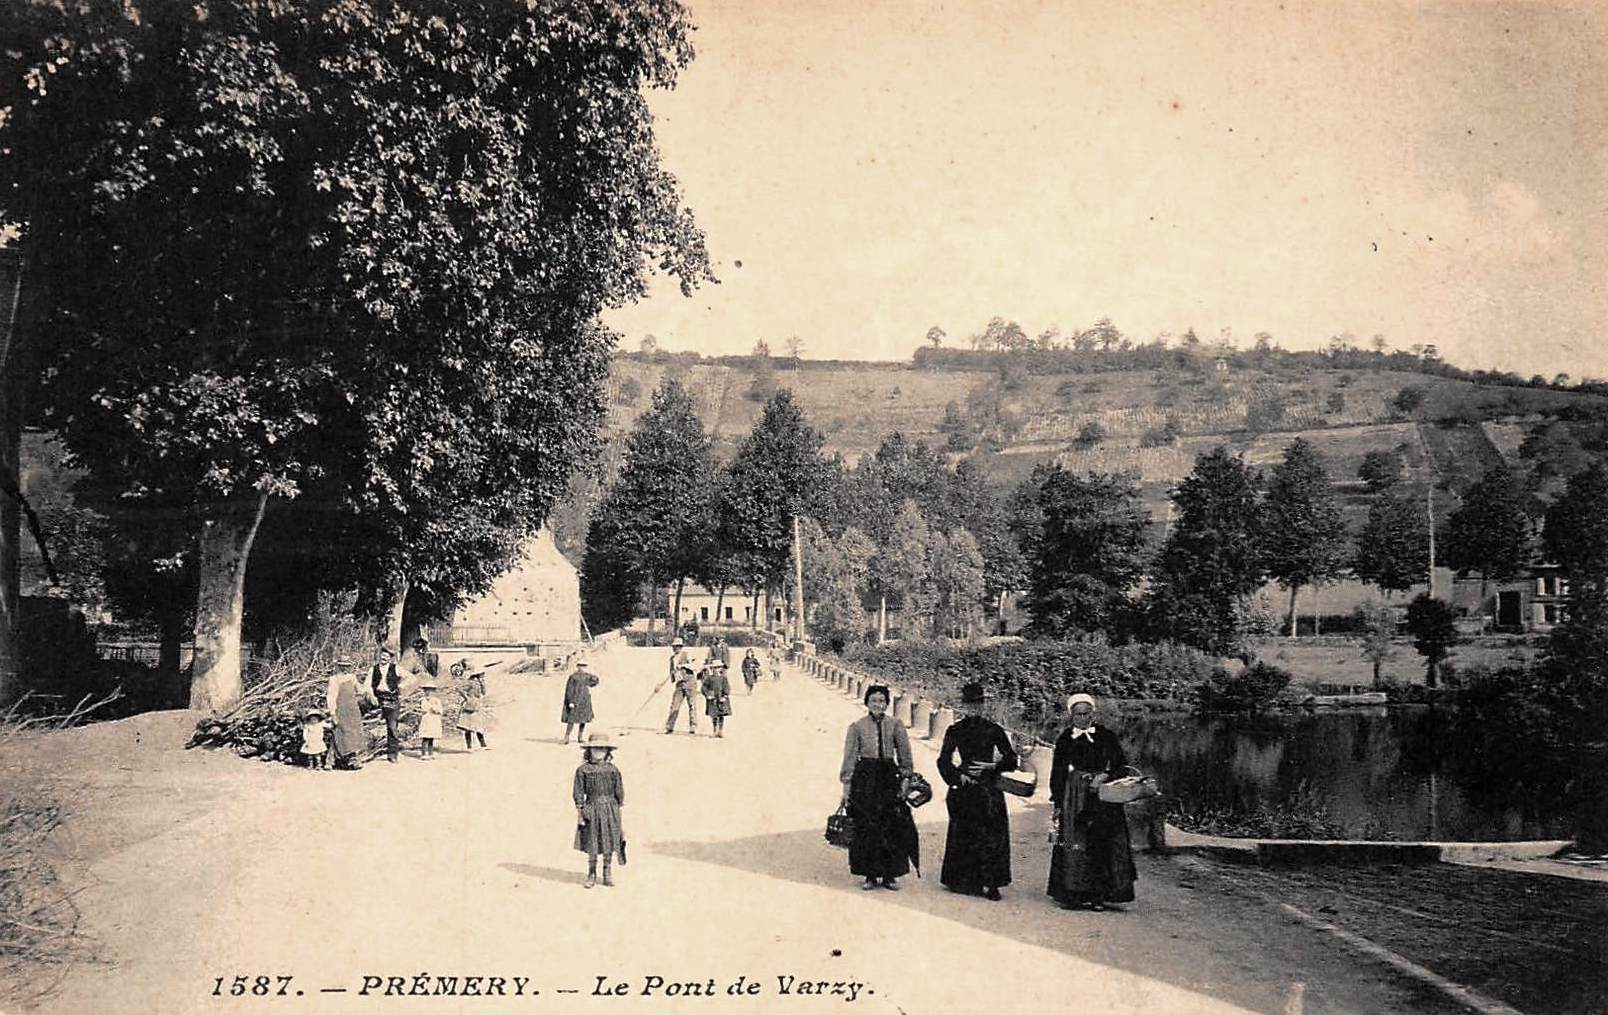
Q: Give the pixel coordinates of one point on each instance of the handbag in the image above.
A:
(918, 791)
(1018, 783)
(1129, 788)
(840, 828)
(1021, 781)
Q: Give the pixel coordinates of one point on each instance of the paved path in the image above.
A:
(462, 867)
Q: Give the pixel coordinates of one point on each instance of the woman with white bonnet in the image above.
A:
(1090, 862)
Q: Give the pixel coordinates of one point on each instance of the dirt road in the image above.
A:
(422, 875)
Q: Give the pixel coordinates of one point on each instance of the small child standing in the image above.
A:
(315, 748)
(599, 795)
(430, 719)
(474, 713)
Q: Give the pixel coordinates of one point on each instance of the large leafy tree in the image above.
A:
(774, 477)
(1210, 563)
(358, 248)
(1090, 553)
(1303, 535)
(655, 515)
(955, 565)
(1393, 546)
(1490, 533)
(901, 568)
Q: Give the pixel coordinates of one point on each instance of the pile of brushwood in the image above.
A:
(267, 723)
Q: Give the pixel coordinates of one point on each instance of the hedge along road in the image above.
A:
(417, 877)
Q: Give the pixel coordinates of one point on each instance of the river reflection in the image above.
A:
(1381, 773)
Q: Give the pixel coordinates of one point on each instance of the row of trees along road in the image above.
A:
(340, 264)
(901, 526)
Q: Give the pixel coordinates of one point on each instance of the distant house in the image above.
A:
(537, 603)
(1533, 602)
(710, 608)
(1221, 366)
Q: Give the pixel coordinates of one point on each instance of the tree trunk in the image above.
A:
(882, 619)
(1294, 590)
(393, 617)
(653, 605)
(12, 373)
(1377, 664)
(720, 599)
(675, 624)
(170, 651)
(753, 612)
(225, 546)
(768, 608)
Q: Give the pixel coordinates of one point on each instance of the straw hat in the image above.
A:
(677, 643)
(601, 741)
(428, 683)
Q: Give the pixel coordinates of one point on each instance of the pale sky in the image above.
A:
(880, 167)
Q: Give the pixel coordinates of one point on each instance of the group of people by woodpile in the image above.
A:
(1091, 863)
(336, 734)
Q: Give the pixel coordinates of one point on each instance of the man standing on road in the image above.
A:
(683, 685)
(386, 685)
(578, 700)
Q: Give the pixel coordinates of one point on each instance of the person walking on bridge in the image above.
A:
(977, 851)
(876, 764)
(717, 693)
(751, 670)
(578, 700)
(683, 685)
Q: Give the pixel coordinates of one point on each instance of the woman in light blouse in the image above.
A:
(876, 763)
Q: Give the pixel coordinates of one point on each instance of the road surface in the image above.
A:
(197, 866)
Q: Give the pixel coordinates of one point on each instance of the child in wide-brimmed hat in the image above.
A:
(315, 748)
(430, 709)
(599, 795)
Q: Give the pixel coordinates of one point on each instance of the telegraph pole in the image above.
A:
(1429, 498)
(798, 583)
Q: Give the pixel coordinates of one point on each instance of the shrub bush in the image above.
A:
(1303, 816)
(1031, 679)
(1253, 689)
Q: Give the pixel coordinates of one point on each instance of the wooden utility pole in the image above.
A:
(1429, 498)
(798, 583)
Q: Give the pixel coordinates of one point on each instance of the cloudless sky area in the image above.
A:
(863, 170)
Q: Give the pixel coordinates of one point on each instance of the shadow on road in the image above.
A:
(1127, 939)
(562, 877)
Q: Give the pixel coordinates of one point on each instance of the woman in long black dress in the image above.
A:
(1090, 863)
(977, 851)
(876, 763)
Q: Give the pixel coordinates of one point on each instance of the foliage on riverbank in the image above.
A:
(1253, 689)
(1302, 816)
(1030, 680)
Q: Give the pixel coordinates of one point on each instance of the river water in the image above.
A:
(1395, 773)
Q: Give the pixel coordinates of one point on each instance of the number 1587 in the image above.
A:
(255, 986)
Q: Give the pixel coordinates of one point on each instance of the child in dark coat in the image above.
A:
(599, 794)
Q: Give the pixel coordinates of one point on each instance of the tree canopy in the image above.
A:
(1303, 536)
(357, 248)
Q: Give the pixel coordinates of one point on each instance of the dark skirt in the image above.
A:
(601, 831)
(1091, 862)
(884, 830)
(977, 851)
(718, 707)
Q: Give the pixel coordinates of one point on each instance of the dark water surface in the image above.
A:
(1379, 773)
